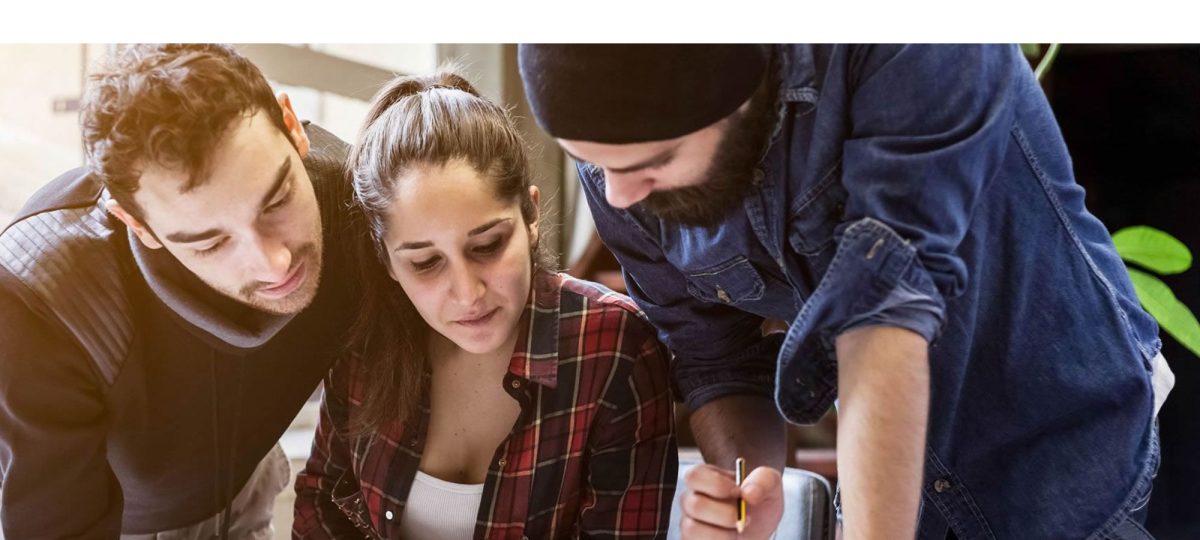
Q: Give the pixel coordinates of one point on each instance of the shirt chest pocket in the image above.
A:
(732, 282)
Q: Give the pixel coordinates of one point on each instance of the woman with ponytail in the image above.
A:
(482, 394)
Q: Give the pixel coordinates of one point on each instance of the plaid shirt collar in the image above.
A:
(535, 357)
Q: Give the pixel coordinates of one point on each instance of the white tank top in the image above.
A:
(440, 510)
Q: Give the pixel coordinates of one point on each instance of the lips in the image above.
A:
(479, 320)
(288, 286)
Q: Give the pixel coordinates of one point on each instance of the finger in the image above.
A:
(762, 484)
(712, 481)
(718, 513)
(696, 530)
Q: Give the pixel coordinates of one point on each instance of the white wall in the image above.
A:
(37, 143)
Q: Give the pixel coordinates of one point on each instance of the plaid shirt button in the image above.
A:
(502, 463)
(516, 383)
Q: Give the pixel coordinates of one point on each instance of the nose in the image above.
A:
(270, 259)
(465, 286)
(625, 189)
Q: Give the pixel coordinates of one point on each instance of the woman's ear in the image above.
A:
(535, 195)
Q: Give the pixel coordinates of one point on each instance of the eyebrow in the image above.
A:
(187, 238)
(658, 160)
(281, 175)
(473, 232)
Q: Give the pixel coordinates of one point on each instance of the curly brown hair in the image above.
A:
(167, 105)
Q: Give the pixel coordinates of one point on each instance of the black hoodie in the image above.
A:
(126, 385)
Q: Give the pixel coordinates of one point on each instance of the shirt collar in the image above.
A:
(535, 357)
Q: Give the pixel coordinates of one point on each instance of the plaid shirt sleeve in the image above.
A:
(634, 461)
(316, 515)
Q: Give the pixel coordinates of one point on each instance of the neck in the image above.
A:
(446, 356)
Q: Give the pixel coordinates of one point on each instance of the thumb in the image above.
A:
(762, 484)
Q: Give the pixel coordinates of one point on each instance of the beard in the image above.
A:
(730, 175)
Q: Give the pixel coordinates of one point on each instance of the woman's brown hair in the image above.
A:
(417, 122)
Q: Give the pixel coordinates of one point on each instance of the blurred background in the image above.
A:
(1130, 115)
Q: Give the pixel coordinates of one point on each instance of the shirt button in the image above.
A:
(516, 383)
(941, 485)
(388, 515)
(722, 295)
(502, 463)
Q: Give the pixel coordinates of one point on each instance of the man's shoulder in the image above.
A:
(56, 232)
(326, 166)
(72, 189)
(65, 258)
(326, 155)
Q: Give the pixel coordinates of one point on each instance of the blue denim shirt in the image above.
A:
(928, 188)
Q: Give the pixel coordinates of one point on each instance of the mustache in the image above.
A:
(702, 205)
(305, 252)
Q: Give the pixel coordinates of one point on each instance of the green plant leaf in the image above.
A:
(1153, 249)
(1047, 60)
(1172, 315)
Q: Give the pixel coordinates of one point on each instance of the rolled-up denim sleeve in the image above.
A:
(929, 126)
(718, 349)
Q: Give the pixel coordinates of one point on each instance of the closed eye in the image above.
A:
(426, 264)
(489, 248)
(210, 249)
(286, 198)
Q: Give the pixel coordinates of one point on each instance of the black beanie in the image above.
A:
(620, 94)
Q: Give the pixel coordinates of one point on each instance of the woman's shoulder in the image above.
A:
(604, 309)
(598, 296)
(606, 337)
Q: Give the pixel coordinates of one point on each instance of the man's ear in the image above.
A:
(294, 127)
(143, 233)
(535, 195)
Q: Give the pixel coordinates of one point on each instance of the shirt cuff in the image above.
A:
(750, 373)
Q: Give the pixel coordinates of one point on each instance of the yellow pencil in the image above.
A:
(740, 473)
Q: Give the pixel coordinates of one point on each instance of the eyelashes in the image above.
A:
(485, 250)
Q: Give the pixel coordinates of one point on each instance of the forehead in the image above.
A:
(620, 156)
(453, 197)
(243, 165)
(617, 155)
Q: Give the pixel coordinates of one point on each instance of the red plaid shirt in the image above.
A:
(593, 454)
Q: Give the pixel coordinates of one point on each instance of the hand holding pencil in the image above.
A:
(723, 503)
